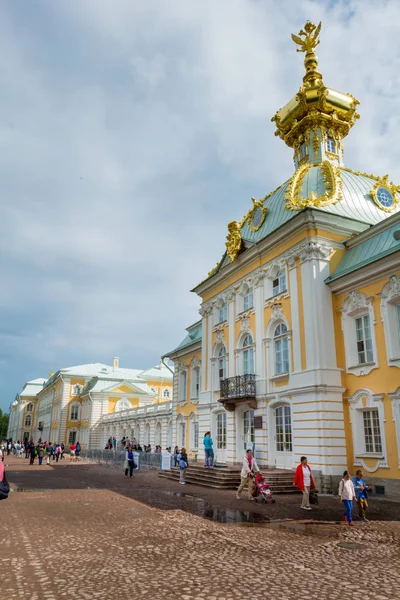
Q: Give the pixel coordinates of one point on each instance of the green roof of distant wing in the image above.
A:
(193, 337)
(374, 248)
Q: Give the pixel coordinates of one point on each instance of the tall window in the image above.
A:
(28, 421)
(222, 363)
(195, 435)
(330, 145)
(29, 407)
(372, 432)
(248, 355)
(195, 382)
(283, 424)
(221, 431)
(182, 435)
(398, 319)
(248, 427)
(281, 342)
(279, 283)
(364, 340)
(74, 412)
(182, 386)
(223, 313)
(166, 393)
(72, 437)
(248, 299)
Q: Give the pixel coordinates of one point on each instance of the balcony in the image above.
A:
(238, 390)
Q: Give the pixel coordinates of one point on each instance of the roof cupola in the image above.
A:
(316, 120)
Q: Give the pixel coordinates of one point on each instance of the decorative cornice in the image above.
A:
(394, 288)
(314, 250)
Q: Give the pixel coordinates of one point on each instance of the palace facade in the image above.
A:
(90, 403)
(298, 348)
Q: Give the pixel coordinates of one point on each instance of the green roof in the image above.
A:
(193, 337)
(370, 250)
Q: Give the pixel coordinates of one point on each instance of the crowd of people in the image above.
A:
(40, 450)
(351, 490)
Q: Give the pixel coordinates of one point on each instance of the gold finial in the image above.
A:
(308, 45)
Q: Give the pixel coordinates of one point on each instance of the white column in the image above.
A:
(231, 335)
(209, 348)
(318, 310)
(259, 314)
(294, 306)
(203, 313)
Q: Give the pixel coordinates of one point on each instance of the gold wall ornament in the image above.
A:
(258, 207)
(234, 240)
(333, 187)
(315, 141)
(383, 182)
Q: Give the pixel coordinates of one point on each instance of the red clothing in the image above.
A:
(299, 478)
(250, 461)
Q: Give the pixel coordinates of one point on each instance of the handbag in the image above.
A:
(314, 496)
(4, 488)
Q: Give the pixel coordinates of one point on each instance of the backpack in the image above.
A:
(4, 488)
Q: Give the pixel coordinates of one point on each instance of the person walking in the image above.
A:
(49, 453)
(62, 451)
(347, 495)
(208, 450)
(249, 471)
(78, 451)
(33, 453)
(40, 454)
(361, 489)
(176, 454)
(129, 461)
(183, 465)
(303, 479)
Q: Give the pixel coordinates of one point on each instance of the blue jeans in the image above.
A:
(348, 508)
(209, 457)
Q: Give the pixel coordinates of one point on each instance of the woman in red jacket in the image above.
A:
(304, 481)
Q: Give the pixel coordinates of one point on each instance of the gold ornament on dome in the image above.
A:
(213, 270)
(258, 205)
(390, 187)
(310, 33)
(234, 240)
(333, 186)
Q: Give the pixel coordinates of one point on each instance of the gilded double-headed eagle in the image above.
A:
(310, 41)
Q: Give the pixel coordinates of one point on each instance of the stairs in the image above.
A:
(228, 478)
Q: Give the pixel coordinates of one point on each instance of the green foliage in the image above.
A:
(3, 424)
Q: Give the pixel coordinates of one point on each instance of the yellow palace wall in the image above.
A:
(382, 380)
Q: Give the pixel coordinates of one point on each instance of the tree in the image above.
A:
(3, 424)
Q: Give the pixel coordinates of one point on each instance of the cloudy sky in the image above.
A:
(131, 134)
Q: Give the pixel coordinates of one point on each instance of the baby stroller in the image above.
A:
(262, 489)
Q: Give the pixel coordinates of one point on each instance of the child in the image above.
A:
(183, 465)
(347, 495)
(361, 489)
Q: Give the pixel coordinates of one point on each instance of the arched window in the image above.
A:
(28, 421)
(158, 435)
(166, 393)
(122, 404)
(248, 355)
(147, 435)
(222, 363)
(194, 432)
(281, 343)
(29, 407)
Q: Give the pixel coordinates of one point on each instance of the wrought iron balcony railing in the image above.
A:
(241, 386)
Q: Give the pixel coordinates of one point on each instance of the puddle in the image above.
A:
(179, 494)
(226, 515)
(22, 489)
(351, 545)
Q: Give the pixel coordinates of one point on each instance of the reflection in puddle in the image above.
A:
(226, 515)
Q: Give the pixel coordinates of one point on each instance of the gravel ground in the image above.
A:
(84, 531)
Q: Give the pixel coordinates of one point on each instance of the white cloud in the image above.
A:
(133, 132)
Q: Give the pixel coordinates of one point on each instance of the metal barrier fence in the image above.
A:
(116, 458)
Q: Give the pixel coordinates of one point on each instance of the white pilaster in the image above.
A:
(294, 307)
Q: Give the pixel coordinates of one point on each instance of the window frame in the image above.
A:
(364, 400)
(221, 359)
(248, 355)
(363, 327)
(26, 419)
(183, 381)
(279, 283)
(390, 313)
(72, 407)
(281, 345)
(247, 304)
(371, 421)
(330, 140)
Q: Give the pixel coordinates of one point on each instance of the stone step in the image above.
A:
(222, 483)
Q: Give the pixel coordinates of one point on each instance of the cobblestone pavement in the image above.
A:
(81, 535)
